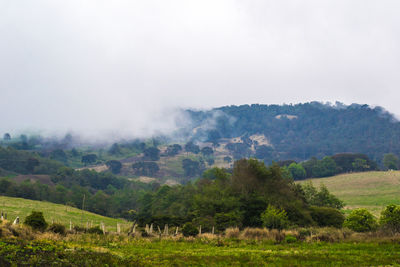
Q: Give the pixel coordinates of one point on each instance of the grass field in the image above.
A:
(370, 190)
(54, 212)
(119, 251)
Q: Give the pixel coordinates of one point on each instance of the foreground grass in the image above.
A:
(195, 252)
(54, 212)
(371, 190)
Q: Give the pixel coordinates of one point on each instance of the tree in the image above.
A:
(191, 167)
(173, 150)
(360, 220)
(191, 147)
(297, 171)
(207, 151)
(321, 198)
(228, 159)
(360, 165)
(36, 221)
(189, 229)
(145, 168)
(114, 149)
(7, 137)
(59, 154)
(275, 218)
(89, 159)
(114, 165)
(152, 153)
(323, 168)
(391, 162)
(390, 218)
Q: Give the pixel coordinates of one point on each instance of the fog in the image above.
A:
(126, 68)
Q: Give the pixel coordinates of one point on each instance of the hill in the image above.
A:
(54, 212)
(301, 131)
(370, 190)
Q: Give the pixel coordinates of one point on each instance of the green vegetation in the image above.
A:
(361, 220)
(370, 190)
(36, 221)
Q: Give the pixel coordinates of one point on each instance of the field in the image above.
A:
(370, 190)
(89, 250)
(54, 212)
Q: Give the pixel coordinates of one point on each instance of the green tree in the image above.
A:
(152, 153)
(89, 159)
(321, 197)
(36, 221)
(391, 162)
(360, 165)
(275, 218)
(360, 220)
(297, 171)
(114, 149)
(114, 165)
(390, 218)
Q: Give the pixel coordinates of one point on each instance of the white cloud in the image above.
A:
(104, 66)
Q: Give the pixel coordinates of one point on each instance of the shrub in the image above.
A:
(360, 220)
(57, 228)
(189, 229)
(274, 218)
(95, 230)
(79, 229)
(36, 221)
(290, 239)
(390, 218)
(325, 216)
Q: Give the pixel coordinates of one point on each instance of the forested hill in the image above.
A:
(305, 130)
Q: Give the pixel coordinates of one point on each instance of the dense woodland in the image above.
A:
(302, 131)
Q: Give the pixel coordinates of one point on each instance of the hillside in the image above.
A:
(54, 212)
(370, 190)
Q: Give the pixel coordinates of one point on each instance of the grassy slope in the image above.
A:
(54, 212)
(370, 190)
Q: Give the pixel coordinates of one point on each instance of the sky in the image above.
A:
(126, 67)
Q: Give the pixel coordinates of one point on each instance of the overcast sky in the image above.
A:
(124, 66)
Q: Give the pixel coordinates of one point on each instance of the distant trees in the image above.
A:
(89, 159)
(59, 154)
(152, 153)
(114, 149)
(145, 168)
(207, 151)
(391, 161)
(321, 197)
(7, 137)
(114, 165)
(173, 150)
(191, 147)
(191, 167)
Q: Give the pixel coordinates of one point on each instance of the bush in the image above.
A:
(325, 216)
(290, 239)
(36, 221)
(95, 230)
(390, 218)
(57, 228)
(274, 218)
(189, 229)
(360, 220)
